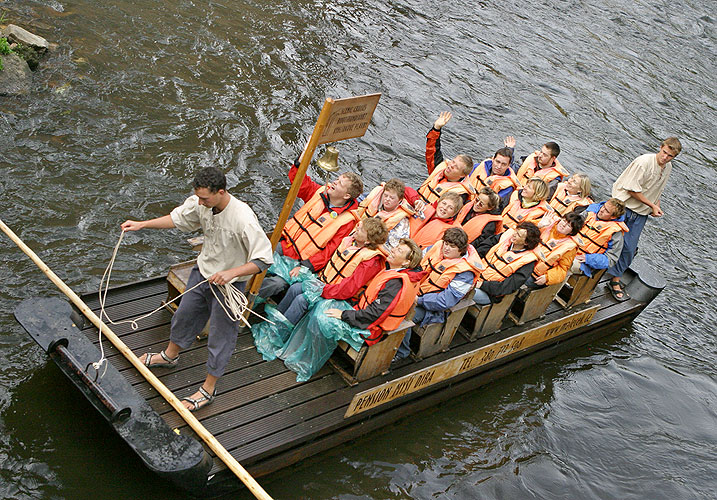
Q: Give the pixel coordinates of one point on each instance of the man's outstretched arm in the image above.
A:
(164, 222)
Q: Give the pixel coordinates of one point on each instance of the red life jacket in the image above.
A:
(442, 271)
(396, 311)
(502, 262)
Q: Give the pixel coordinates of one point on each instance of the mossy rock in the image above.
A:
(31, 56)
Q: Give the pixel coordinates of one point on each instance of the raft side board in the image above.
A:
(267, 420)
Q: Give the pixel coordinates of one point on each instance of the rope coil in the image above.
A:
(236, 306)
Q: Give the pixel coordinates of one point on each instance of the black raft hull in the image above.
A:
(262, 416)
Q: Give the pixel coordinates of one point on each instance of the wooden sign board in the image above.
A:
(465, 362)
(350, 117)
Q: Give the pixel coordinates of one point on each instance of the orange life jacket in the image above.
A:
(425, 232)
(563, 202)
(371, 207)
(435, 185)
(530, 168)
(596, 234)
(549, 251)
(441, 271)
(344, 261)
(396, 311)
(502, 262)
(479, 178)
(312, 226)
(514, 213)
(474, 227)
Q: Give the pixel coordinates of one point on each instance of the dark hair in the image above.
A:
(456, 237)
(576, 222)
(210, 178)
(532, 234)
(504, 152)
(553, 147)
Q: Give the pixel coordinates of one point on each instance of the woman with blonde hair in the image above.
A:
(527, 205)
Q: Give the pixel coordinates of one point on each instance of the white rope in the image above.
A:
(236, 305)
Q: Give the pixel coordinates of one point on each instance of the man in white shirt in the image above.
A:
(235, 247)
(640, 187)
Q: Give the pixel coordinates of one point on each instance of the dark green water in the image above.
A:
(138, 95)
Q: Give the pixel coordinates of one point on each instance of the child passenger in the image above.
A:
(453, 268)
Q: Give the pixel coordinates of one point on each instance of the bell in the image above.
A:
(330, 161)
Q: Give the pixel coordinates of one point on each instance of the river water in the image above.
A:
(138, 95)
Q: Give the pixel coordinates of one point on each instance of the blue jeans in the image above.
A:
(481, 298)
(405, 348)
(635, 222)
(294, 305)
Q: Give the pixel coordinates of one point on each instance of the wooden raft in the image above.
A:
(262, 416)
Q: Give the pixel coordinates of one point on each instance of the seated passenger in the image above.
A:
(601, 238)
(556, 251)
(497, 173)
(448, 175)
(354, 263)
(389, 296)
(527, 204)
(573, 194)
(509, 264)
(481, 218)
(453, 268)
(314, 232)
(306, 346)
(437, 218)
(545, 165)
(388, 203)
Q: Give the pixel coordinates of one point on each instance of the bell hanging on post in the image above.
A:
(329, 162)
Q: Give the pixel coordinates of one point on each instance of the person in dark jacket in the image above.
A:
(504, 273)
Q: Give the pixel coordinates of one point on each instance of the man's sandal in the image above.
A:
(617, 289)
(197, 403)
(167, 363)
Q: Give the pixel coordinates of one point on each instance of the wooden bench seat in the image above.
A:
(481, 321)
(372, 360)
(177, 279)
(578, 289)
(436, 337)
(532, 304)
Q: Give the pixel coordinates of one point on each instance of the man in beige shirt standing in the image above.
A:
(235, 247)
(640, 187)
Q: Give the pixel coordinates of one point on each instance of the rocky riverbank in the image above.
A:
(20, 55)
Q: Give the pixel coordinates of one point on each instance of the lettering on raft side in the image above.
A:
(468, 361)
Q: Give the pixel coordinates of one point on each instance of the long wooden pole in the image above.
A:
(201, 431)
(255, 282)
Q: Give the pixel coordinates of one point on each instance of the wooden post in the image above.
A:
(202, 432)
(255, 281)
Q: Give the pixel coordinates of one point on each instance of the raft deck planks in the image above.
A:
(262, 412)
